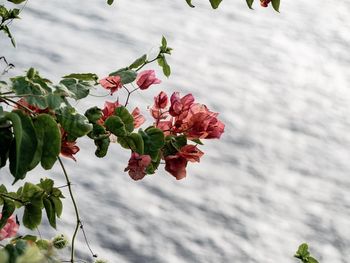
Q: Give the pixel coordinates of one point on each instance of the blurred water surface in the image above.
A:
(280, 174)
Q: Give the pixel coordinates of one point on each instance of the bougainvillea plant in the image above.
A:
(39, 125)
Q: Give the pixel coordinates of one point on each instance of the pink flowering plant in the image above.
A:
(40, 126)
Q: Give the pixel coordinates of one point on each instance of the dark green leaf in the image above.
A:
(24, 146)
(102, 147)
(51, 147)
(133, 141)
(57, 203)
(126, 75)
(7, 210)
(16, 1)
(82, 76)
(250, 3)
(312, 260)
(198, 141)
(75, 124)
(50, 212)
(6, 138)
(153, 139)
(115, 125)
(189, 2)
(93, 114)
(80, 88)
(138, 62)
(32, 216)
(6, 30)
(110, 2)
(276, 5)
(47, 185)
(215, 3)
(164, 43)
(126, 117)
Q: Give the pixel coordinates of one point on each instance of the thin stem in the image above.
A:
(13, 198)
(148, 62)
(87, 241)
(78, 221)
(18, 104)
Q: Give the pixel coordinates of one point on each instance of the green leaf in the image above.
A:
(115, 125)
(51, 146)
(153, 139)
(57, 204)
(54, 101)
(302, 252)
(50, 212)
(6, 138)
(126, 117)
(24, 146)
(6, 30)
(80, 88)
(93, 114)
(250, 3)
(110, 2)
(276, 5)
(7, 210)
(162, 62)
(198, 141)
(16, 1)
(189, 2)
(98, 132)
(312, 260)
(102, 147)
(133, 141)
(215, 3)
(32, 216)
(47, 185)
(82, 76)
(164, 43)
(75, 124)
(138, 62)
(126, 75)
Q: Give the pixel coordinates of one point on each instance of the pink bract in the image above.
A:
(191, 153)
(146, 78)
(10, 229)
(161, 101)
(139, 119)
(176, 166)
(137, 165)
(112, 83)
(109, 109)
(180, 106)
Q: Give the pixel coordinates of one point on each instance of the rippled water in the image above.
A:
(281, 173)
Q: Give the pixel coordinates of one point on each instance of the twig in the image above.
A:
(78, 222)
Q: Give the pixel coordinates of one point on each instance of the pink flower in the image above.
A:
(146, 78)
(112, 83)
(200, 123)
(161, 101)
(180, 106)
(68, 148)
(139, 119)
(10, 229)
(165, 126)
(109, 109)
(176, 166)
(190, 153)
(137, 165)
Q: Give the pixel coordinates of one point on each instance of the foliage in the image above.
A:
(38, 124)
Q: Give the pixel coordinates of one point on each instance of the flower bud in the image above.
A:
(60, 242)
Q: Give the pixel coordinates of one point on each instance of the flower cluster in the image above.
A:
(10, 229)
